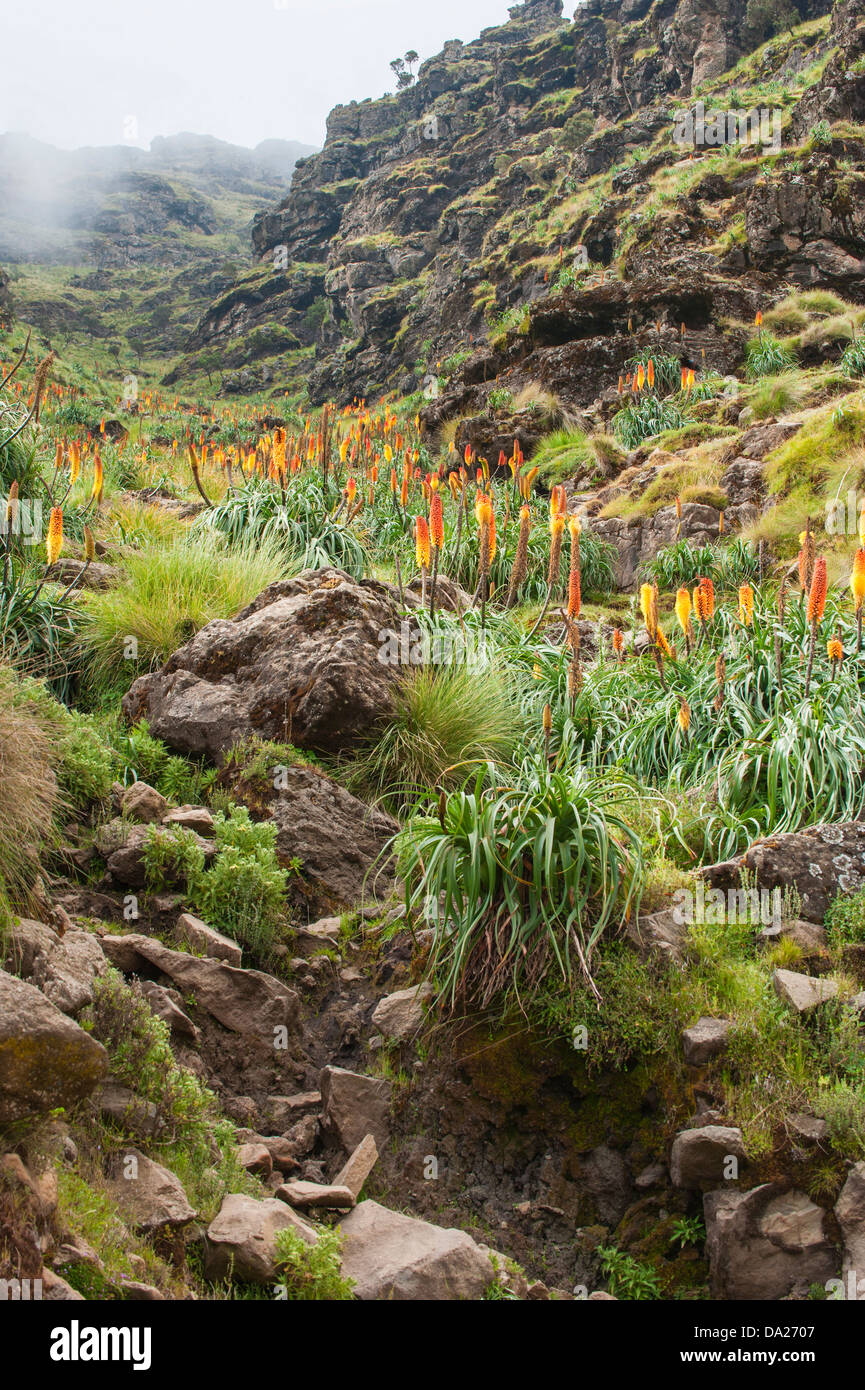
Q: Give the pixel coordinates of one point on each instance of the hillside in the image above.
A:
(126, 246)
(432, 759)
(432, 220)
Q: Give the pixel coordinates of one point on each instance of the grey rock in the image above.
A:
(354, 1106)
(400, 1016)
(241, 1240)
(206, 940)
(700, 1156)
(46, 1060)
(705, 1039)
(802, 992)
(354, 1173)
(394, 1257)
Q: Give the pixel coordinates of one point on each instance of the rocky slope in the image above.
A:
(430, 215)
(349, 1099)
(101, 240)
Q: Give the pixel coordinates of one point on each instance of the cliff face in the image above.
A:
(430, 214)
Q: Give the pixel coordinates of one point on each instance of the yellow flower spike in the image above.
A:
(684, 716)
(54, 541)
(683, 610)
(746, 605)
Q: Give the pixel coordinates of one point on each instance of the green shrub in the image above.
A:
(845, 920)
(530, 870)
(172, 856)
(627, 1277)
(243, 892)
(139, 1048)
(312, 1272)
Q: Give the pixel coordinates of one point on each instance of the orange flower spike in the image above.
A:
(575, 597)
(96, 494)
(647, 609)
(857, 580)
(759, 319)
(394, 484)
(650, 373)
(819, 588)
(436, 521)
(618, 641)
(492, 526)
(641, 377)
(422, 542)
(834, 650)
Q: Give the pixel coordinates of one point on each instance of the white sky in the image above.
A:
(79, 72)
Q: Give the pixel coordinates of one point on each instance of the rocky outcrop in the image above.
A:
(46, 1060)
(417, 219)
(764, 1244)
(300, 665)
(819, 862)
(244, 1001)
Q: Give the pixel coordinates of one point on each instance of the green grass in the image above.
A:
(167, 594)
(442, 720)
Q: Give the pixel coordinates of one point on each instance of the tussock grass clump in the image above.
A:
(766, 355)
(442, 718)
(563, 454)
(169, 592)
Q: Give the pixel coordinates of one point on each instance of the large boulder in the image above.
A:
(764, 1244)
(151, 1197)
(702, 1156)
(355, 1106)
(46, 1060)
(819, 862)
(301, 665)
(339, 840)
(394, 1257)
(244, 1001)
(241, 1239)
